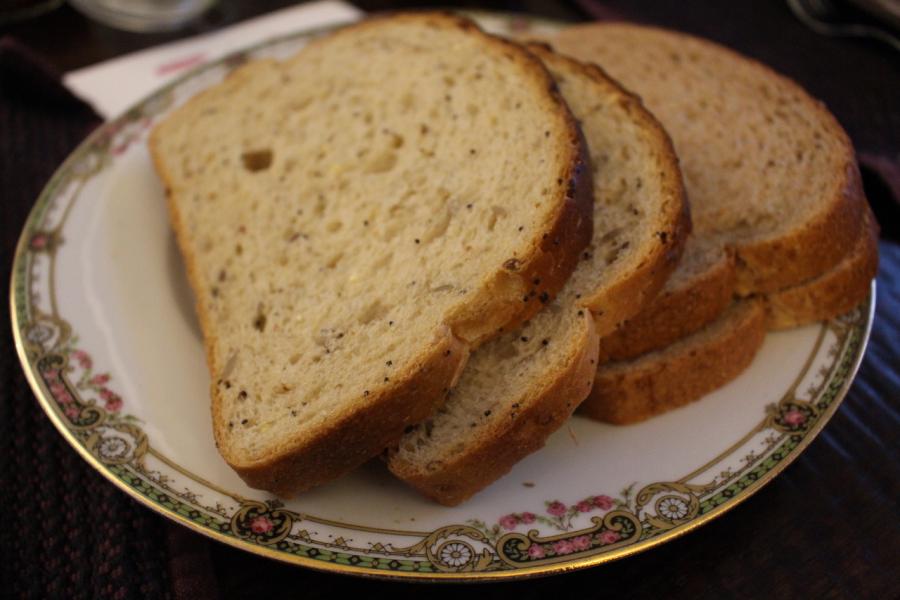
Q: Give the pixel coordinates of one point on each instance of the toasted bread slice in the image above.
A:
(631, 391)
(768, 170)
(832, 293)
(695, 295)
(356, 219)
(518, 389)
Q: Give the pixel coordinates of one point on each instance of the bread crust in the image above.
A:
(614, 304)
(833, 293)
(525, 286)
(544, 408)
(412, 397)
(674, 314)
(416, 394)
(546, 403)
(770, 263)
(368, 427)
(815, 247)
(633, 391)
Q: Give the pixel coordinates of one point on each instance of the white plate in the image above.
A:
(107, 335)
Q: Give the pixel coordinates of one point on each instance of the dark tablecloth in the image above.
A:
(827, 527)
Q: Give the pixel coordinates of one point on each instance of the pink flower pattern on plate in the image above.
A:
(608, 537)
(509, 522)
(794, 417)
(582, 542)
(99, 379)
(83, 359)
(556, 508)
(603, 502)
(584, 506)
(114, 403)
(261, 525)
(536, 551)
(563, 547)
(39, 241)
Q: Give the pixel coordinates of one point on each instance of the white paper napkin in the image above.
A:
(113, 86)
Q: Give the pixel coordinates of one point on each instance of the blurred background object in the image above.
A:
(12, 11)
(875, 19)
(143, 15)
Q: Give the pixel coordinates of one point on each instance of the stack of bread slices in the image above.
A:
(782, 234)
(419, 241)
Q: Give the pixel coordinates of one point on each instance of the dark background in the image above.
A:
(828, 527)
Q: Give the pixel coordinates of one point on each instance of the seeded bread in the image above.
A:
(518, 389)
(832, 293)
(632, 391)
(698, 291)
(356, 219)
(768, 169)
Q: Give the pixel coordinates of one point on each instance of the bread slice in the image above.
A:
(631, 391)
(698, 291)
(356, 219)
(518, 389)
(768, 169)
(832, 293)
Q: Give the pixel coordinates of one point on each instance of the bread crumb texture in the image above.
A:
(337, 210)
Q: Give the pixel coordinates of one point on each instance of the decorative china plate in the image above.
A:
(104, 326)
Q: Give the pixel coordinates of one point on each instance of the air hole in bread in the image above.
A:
(375, 310)
(382, 162)
(497, 213)
(334, 260)
(257, 160)
(259, 321)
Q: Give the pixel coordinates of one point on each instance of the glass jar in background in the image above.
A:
(143, 15)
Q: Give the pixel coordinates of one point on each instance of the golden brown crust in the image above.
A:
(629, 392)
(526, 285)
(815, 247)
(416, 395)
(832, 293)
(611, 305)
(674, 314)
(543, 411)
(529, 282)
(614, 305)
(773, 263)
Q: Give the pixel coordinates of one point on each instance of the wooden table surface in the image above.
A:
(829, 526)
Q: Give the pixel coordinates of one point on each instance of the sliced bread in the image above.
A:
(631, 391)
(832, 293)
(698, 291)
(768, 169)
(516, 390)
(356, 219)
